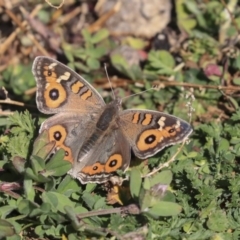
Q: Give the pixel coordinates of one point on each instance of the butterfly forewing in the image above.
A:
(59, 88)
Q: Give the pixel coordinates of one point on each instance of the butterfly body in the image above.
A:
(97, 137)
(106, 122)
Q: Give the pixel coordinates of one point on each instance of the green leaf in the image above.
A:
(80, 53)
(119, 61)
(86, 35)
(236, 115)
(145, 199)
(121, 64)
(162, 60)
(147, 184)
(81, 66)
(57, 166)
(168, 197)
(68, 186)
(6, 210)
(68, 52)
(164, 177)
(23, 120)
(89, 199)
(101, 203)
(90, 187)
(223, 145)
(22, 131)
(183, 17)
(96, 53)
(19, 164)
(234, 102)
(28, 189)
(21, 78)
(218, 221)
(100, 35)
(52, 199)
(236, 81)
(135, 182)
(6, 229)
(136, 43)
(164, 209)
(38, 164)
(93, 63)
(150, 197)
(25, 206)
(35, 212)
(73, 237)
(45, 207)
(57, 201)
(42, 147)
(36, 177)
(136, 72)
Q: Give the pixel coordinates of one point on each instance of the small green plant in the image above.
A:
(191, 195)
(90, 54)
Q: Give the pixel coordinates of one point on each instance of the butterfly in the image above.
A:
(97, 138)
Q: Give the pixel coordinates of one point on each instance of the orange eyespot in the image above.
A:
(171, 131)
(50, 75)
(149, 139)
(68, 153)
(54, 95)
(113, 163)
(57, 133)
(94, 169)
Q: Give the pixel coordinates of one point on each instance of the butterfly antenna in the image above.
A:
(154, 87)
(110, 83)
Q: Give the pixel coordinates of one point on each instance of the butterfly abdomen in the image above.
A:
(90, 143)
